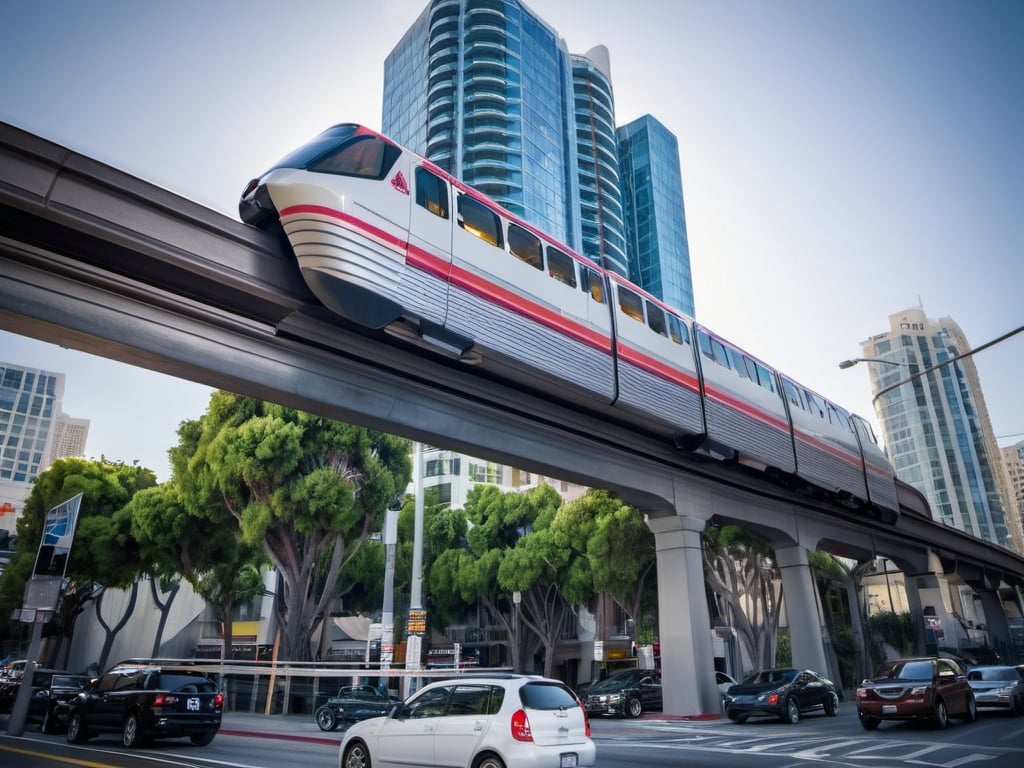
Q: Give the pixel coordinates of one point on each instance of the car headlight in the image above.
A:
(919, 690)
(615, 697)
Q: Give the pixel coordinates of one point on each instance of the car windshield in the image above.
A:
(907, 670)
(619, 680)
(1004, 674)
(768, 676)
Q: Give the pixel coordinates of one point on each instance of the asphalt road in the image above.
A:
(996, 740)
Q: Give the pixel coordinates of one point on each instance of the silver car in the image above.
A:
(497, 721)
(998, 686)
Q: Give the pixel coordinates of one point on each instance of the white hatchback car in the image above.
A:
(477, 722)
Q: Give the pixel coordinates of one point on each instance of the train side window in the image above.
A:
(836, 415)
(362, 156)
(766, 378)
(592, 283)
(479, 220)
(561, 266)
(630, 304)
(677, 330)
(793, 394)
(815, 404)
(705, 345)
(656, 319)
(721, 356)
(432, 192)
(525, 245)
(738, 362)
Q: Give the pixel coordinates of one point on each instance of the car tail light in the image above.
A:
(250, 187)
(586, 720)
(773, 699)
(521, 726)
(218, 700)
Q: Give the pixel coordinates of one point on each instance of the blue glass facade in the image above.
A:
(601, 219)
(652, 193)
(481, 88)
(489, 92)
(29, 406)
(937, 431)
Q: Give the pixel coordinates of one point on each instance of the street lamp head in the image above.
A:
(847, 364)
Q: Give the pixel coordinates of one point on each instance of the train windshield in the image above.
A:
(312, 150)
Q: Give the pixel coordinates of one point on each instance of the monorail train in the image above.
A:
(390, 241)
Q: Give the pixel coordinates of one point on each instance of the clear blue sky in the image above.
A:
(841, 161)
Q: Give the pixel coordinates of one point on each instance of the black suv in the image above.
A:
(143, 703)
(627, 693)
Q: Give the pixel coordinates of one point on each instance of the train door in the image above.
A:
(429, 255)
(878, 472)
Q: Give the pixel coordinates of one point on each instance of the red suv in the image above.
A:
(916, 689)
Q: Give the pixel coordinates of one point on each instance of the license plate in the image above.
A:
(192, 705)
(569, 760)
(888, 709)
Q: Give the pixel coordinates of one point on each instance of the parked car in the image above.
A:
(626, 693)
(52, 691)
(145, 702)
(495, 721)
(998, 686)
(352, 704)
(927, 688)
(783, 693)
(724, 682)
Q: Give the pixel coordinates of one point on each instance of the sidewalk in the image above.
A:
(288, 727)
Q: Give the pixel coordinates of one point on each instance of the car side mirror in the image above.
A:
(399, 711)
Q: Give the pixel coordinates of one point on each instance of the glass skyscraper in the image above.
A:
(489, 91)
(597, 158)
(937, 430)
(483, 89)
(659, 252)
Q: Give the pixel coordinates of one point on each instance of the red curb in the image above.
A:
(284, 736)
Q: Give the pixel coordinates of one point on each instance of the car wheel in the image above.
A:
(326, 719)
(634, 708)
(737, 718)
(356, 756)
(489, 761)
(869, 722)
(77, 733)
(202, 739)
(790, 712)
(130, 735)
(941, 714)
(832, 705)
(971, 713)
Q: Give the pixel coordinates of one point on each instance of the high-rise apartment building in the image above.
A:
(1013, 464)
(601, 219)
(483, 89)
(489, 91)
(937, 430)
(31, 435)
(652, 193)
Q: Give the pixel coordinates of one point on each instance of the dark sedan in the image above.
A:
(783, 693)
(627, 693)
(352, 704)
(52, 690)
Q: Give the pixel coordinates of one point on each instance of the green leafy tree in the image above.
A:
(510, 548)
(307, 489)
(616, 543)
(173, 542)
(739, 569)
(103, 553)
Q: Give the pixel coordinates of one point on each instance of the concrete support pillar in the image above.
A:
(806, 632)
(996, 625)
(928, 611)
(687, 655)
